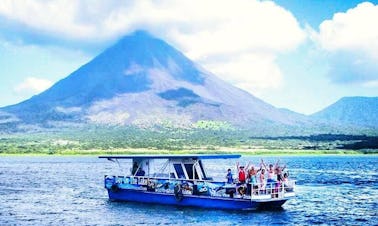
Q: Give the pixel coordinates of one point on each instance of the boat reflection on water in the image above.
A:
(183, 181)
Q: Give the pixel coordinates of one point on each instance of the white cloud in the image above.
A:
(252, 72)
(354, 30)
(33, 85)
(247, 34)
(351, 41)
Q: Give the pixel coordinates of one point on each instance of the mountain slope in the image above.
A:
(142, 80)
(357, 111)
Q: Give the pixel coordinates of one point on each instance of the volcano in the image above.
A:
(142, 81)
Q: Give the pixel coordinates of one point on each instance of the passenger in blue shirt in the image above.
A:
(230, 180)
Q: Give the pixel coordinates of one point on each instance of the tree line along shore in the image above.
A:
(92, 142)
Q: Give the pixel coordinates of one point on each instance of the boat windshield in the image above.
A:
(192, 172)
(179, 170)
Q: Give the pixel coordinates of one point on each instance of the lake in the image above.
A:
(53, 190)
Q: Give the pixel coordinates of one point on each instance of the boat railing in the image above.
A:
(269, 190)
(144, 179)
(257, 191)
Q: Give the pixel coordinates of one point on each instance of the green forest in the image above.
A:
(129, 140)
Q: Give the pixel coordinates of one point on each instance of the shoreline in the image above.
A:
(244, 152)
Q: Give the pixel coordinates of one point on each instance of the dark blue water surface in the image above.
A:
(69, 191)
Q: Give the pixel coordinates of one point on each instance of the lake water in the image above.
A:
(69, 191)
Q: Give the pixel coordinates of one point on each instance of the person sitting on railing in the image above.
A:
(229, 177)
(287, 185)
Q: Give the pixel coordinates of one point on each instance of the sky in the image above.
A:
(300, 55)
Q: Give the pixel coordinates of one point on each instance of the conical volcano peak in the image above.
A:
(143, 79)
(139, 37)
(141, 34)
(147, 51)
(139, 47)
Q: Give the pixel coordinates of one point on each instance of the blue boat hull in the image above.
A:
(192, 200)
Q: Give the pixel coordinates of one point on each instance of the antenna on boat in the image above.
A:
(116, 160)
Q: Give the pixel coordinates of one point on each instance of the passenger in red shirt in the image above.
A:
(242, 173)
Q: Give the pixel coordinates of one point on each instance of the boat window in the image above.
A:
(179, 170)
(189, 170)
(203, 170)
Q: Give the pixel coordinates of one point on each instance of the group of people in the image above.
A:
(256, 177)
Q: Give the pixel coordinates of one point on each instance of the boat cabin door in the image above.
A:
(142, 167)
(188, 169)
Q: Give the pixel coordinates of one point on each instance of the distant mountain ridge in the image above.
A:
(358, 111)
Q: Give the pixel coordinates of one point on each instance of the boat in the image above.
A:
(182, 180)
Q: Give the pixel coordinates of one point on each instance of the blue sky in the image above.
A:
(300, 55)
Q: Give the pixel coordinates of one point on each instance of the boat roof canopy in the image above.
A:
(192, 156)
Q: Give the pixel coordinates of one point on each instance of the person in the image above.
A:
(229, 177)
(242, 189)
(288, 187)
(279, 171)
(262, 180)
(252, 173)
(241, 173)
(285, 179)
(271, 171)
